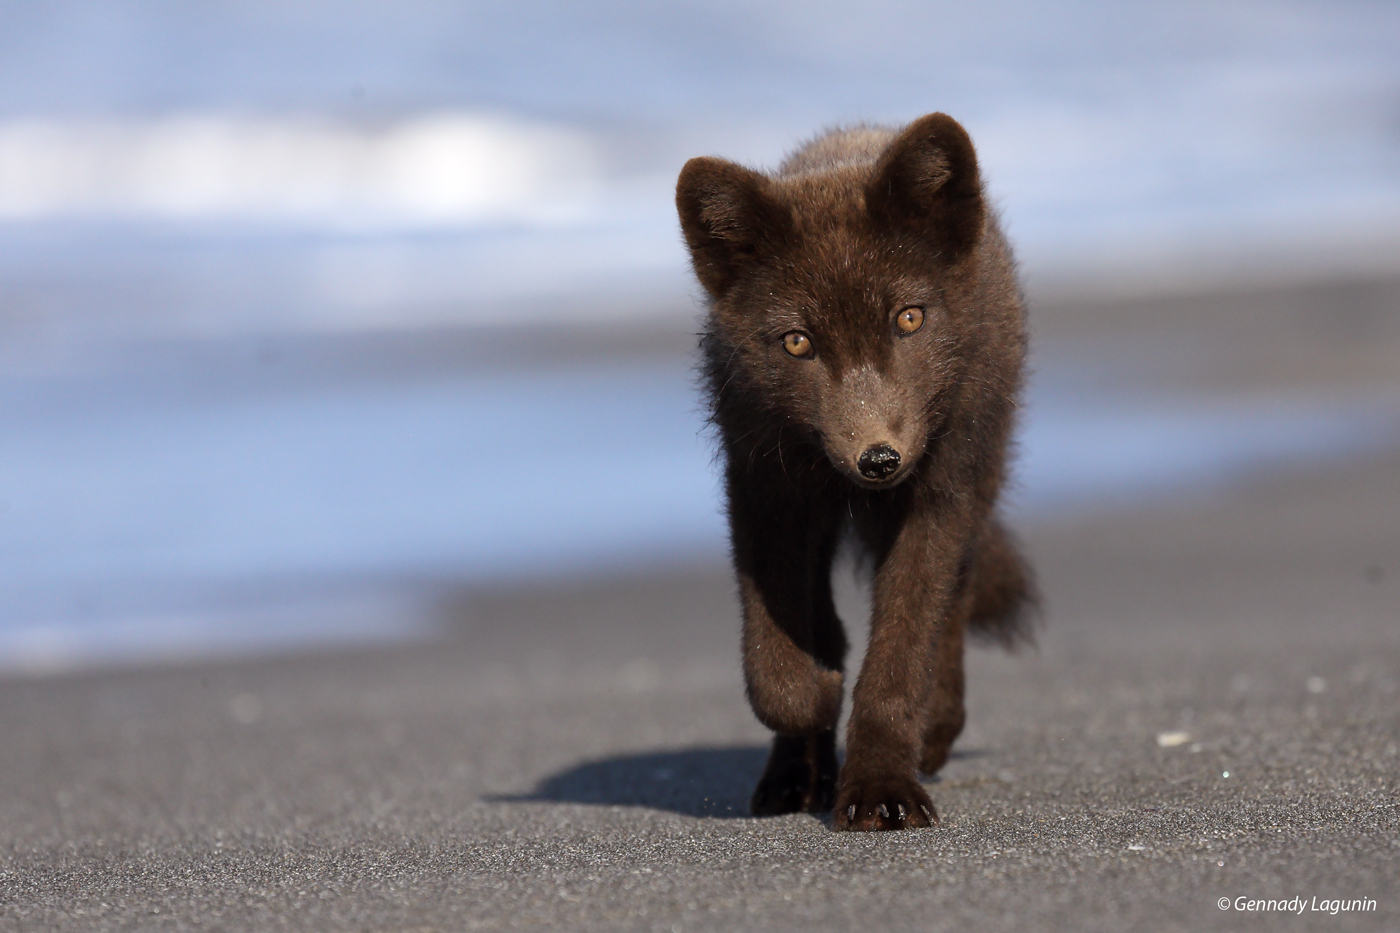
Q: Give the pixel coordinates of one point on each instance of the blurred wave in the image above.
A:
(257, 169)
(424, 170)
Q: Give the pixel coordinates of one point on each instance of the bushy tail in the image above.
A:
(1004, 601)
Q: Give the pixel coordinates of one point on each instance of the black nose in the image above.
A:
(878, 462)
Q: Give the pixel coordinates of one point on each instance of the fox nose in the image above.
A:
(878, 461)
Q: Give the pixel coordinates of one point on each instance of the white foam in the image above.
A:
(446, 168)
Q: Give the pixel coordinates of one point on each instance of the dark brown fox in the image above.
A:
(863, 353)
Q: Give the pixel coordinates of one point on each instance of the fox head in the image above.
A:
(840, 295)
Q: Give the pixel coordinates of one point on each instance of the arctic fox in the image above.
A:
(863, 354)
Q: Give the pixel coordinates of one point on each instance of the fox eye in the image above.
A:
(910, 319)
(797, 344)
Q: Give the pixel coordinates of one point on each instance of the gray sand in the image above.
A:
(579, 756)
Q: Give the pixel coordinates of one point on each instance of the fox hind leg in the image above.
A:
(996, 604)
(946, 714)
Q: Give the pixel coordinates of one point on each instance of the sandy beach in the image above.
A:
(1212, 714)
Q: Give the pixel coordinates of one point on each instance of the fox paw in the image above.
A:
(800, 777)
(938, 742)
(883, 804)
(793, 793)
(935, 756)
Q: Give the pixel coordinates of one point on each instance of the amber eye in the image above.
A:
(911, 319)
(797, 343)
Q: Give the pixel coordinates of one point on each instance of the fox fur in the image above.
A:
(838, 417)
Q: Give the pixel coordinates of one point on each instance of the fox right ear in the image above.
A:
(927, 181)
(730, 219)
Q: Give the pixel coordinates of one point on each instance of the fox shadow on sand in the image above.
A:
(713, 782)
(690, 781)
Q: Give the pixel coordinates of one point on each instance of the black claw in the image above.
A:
(851, 812)
(901, 813)
(884, 811)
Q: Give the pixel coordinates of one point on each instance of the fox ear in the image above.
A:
(730, 219)
(927, 180)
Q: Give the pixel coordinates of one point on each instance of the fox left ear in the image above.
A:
(731, 219)
(927, 180)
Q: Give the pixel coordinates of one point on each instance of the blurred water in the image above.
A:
(150, 515)
(136, 496)
(226, 172)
